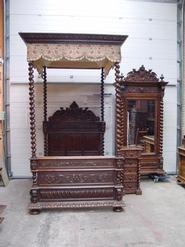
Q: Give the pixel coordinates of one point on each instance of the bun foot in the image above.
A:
(118, 209)
(34, 211)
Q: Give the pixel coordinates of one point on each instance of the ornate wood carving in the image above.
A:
(101, 179)
(131, 175)
(74, 131)
(74, 113)
(32, 110)
(143, 85)
(73, 163)
(75, 178)
(77, 204)
(141, 75)
(75, 193)
(107, 189)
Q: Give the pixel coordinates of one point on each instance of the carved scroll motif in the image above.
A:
(141, 75)
(74, 112)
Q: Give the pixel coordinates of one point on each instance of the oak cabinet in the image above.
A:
(142, 103)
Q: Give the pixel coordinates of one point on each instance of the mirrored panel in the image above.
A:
(141, 123)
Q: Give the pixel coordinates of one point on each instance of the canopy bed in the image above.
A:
(67, 177)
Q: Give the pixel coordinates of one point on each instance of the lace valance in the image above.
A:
(73, 55)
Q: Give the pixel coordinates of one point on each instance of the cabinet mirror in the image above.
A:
(141, 123)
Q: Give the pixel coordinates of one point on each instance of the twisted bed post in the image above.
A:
(32, 110)
(119, 110)
(45, 109)
(102, 109)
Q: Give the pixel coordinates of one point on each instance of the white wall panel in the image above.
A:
(170, 126)
(151, 28)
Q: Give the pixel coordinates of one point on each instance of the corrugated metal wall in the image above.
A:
(152, 41)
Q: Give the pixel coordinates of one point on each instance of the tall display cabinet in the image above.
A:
(142, 111)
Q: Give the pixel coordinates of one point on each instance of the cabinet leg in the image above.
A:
(117, 209)
(139, 192)
(34, 211)
(179, 182)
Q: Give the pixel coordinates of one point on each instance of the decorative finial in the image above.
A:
(162, 77)
(121, 76)
(142, 67)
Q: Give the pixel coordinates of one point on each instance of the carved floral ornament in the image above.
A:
(73, 55)
(142, 75)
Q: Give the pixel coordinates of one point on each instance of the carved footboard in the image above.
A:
(76, 181)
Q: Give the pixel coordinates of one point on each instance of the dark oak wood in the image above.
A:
(74, 38)
(143, 85)
(132, 165)
(74, 131)
(75, 181)
(181, 168)
(45, 108)
(32, 110)
(102, 108)
(119, 110)
(71, 182)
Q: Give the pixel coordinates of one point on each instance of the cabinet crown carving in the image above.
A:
(142, 75)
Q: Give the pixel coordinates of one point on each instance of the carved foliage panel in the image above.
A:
(74, 163)
(75, 177)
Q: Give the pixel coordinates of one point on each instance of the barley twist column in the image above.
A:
(161, 128)
(45, 110)
(119, 110)
(32, 110)
(102, 109)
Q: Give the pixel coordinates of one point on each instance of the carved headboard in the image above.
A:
(74, 131)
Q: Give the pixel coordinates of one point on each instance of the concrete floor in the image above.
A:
(157, 218)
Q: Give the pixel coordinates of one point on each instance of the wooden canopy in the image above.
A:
(84, 51)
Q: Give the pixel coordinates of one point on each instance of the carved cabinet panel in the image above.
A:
(131, 179)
